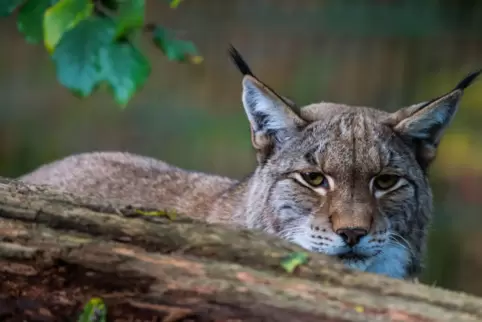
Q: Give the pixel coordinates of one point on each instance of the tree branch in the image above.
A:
(58, 250)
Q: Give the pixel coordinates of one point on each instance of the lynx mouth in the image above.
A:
(353, 256)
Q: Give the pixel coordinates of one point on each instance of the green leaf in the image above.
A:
(130, 16)
(77, 54)
(175, 49)
(63, 16)
(88, 55)
(94, 311)
(125, 68)
(290, 262)
(30, 19)
(7, 7)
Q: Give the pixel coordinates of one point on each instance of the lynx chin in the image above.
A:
(347, 181)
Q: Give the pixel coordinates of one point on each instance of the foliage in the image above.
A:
(292, 261)
(94, 311)
(91, 42)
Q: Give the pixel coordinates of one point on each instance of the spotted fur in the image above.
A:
(349, 145)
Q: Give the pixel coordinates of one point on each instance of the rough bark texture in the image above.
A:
(57, 251)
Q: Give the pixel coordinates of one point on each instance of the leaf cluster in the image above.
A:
(93, 42)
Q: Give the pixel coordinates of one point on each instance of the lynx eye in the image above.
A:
(315, 179)
(385, 181)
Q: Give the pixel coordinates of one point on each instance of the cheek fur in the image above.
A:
(288, 197)
(398, 205)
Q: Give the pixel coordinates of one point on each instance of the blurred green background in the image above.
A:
(382, 53)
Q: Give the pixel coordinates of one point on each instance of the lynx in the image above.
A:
(347, 181)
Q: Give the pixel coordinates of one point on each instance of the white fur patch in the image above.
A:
(392, 259)
(392, 262)
(256, 101)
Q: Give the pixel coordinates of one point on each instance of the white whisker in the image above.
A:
(405, 245)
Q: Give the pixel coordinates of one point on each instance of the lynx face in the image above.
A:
(345, 185)
(350, 182)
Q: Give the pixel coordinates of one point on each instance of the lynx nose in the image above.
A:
(351, 236)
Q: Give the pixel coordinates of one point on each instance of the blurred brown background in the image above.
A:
(383, 53)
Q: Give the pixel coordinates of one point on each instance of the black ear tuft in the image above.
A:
(239, 61)
(463, 84)
(467, 81)
(246, 71)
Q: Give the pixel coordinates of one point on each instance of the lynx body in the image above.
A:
(346, 181)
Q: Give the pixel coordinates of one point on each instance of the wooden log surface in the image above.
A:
(58, 250)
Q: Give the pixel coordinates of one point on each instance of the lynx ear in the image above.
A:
(425, 123)
(271, 116)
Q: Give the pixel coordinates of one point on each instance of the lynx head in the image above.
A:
(343, 180)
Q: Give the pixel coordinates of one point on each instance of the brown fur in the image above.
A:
(350, 146)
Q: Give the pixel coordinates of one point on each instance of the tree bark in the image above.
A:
(58, 250)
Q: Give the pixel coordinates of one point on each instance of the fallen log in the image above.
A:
(57, 251)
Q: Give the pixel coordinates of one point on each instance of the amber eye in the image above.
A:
(385, 181)
(315, 179)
